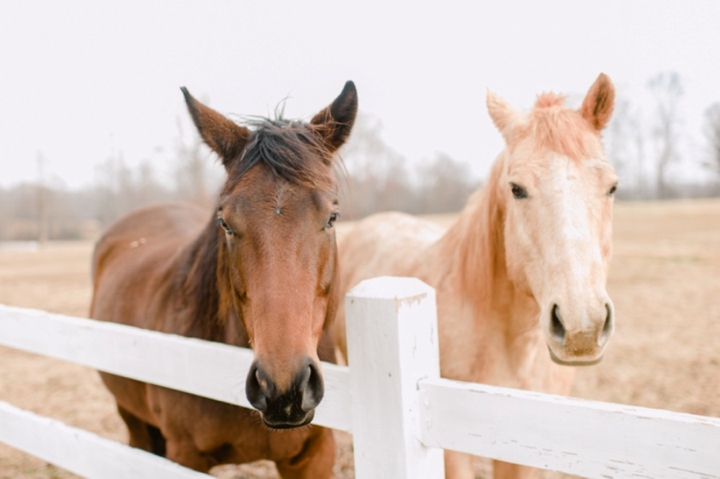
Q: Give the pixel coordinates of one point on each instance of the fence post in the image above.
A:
(392, 345)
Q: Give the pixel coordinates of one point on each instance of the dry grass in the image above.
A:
(665, 281)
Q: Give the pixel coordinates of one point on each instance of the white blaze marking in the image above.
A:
(575, 230)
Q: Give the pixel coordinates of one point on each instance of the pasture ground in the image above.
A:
(664, 280)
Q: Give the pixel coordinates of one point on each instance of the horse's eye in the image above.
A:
(612, 190)
(518, 191)
(331, 220)
(228, 230)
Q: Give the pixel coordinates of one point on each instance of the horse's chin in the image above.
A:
(289, 425)
(563, 362)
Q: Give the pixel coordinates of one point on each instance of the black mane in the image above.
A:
(289, 148)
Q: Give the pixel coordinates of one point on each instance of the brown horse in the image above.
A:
(260, 272)
(520, 277)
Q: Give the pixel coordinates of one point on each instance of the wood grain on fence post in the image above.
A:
(392, 345)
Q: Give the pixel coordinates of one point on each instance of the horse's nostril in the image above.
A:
(255, 391)
(556, 326)
(608, 326)
(313, 388)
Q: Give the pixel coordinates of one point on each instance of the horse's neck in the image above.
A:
(205, 293)
(475, 249)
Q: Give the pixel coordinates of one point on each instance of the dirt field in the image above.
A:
(665, 282)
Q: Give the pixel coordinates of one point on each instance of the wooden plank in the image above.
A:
(591, 439)
(82, 452)
(213, 370)
(392, 344)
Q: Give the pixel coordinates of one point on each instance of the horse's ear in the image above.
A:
(222, 135)
(599, 102)
(507, 119)
(334, 123)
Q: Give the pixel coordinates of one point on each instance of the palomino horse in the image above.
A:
(520, 277)
(259, 271)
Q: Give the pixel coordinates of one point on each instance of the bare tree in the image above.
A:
(643, 190)
(42, 202)
(445, 185)
(105, 191)
(124, 187)
(617, 137)
(712, 135)
(147, 188)
(619, 140)
(379, 177)
(624, 140)
(667, 89)
(193, 178)
(4, 214)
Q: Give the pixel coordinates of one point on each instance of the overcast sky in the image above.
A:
(80, 80)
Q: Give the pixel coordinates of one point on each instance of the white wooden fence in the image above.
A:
(401, 413)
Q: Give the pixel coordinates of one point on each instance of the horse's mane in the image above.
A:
(553, 126)
(197, 284)
(477, 241)
(292, 152)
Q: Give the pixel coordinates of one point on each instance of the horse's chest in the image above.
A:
(229, 433)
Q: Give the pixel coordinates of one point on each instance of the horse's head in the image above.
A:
(277, 254)
(555, 187)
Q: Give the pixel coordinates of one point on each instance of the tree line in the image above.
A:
(648, 146)
(372, 177)
(644, 147)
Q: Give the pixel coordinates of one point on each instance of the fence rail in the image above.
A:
(213, 370)
(587, 438)
(401, 413)
(82, 452)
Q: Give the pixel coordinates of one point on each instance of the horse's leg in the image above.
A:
(184, 452)
(315, 461)
(458, 465)
(143, 435)
(505, 470)
(159, 445)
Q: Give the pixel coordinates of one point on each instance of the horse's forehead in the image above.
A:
(537, 164)
(268, 204)
(260, 186)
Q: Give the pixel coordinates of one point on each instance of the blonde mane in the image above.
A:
(477, 238)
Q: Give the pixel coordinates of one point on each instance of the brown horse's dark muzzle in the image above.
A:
(292, 407)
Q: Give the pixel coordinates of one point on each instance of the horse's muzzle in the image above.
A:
(292, 407)
(561, 362)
